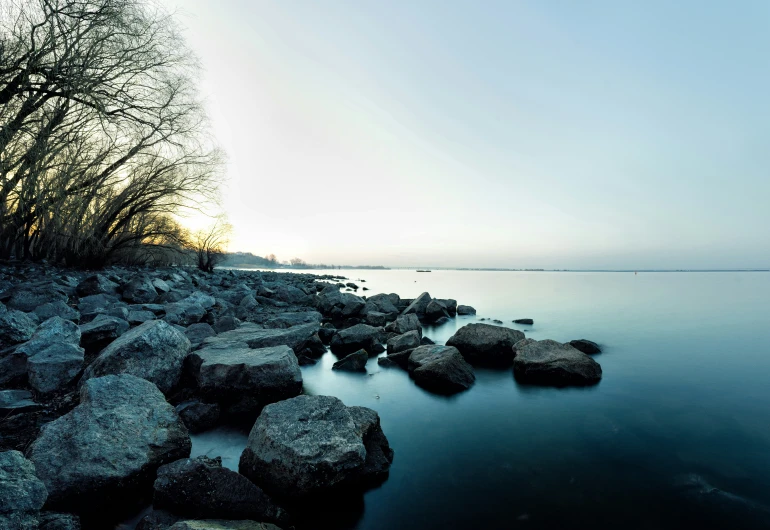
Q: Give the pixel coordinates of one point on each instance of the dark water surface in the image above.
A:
(683, 408)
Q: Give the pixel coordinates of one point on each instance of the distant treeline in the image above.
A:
(249, 260)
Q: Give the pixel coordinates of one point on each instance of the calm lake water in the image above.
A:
(683, 407)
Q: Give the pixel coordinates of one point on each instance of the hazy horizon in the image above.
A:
(521, 135)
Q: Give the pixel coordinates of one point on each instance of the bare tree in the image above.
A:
(209, 245)
(102, 137)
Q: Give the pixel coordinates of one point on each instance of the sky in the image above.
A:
(540, 134)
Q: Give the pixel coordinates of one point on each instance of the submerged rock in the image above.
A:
(110, 445)
(202, 488)
(198, 416)
(527, 321)
(355, 362)
(154, 351)
(309, 444)
(485, 344)
(586, 346)
(552, 363)
(440, 369)
(465, 310)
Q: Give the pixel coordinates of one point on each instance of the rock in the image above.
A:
(202, 488)
(256, 337)
(184, 313)
(527, 321)
(56, 367)
(226, 323)
(57, 309)
(313, 347)
(386, 304)
(139, 290)
(53, 330)
(92, 306)
(435, 310)
(355, 362)
(552, 363)
(418, 305)
(287, 320)
(161, 287)
(58, 521)
(360, 336)
(247, 379)
(497, 321)
(198, 416)
(465, 310)
(449, 304)
(204, 300)
(375, 318)
(407, 341)
(15, 327)
(425, 341)
(220, 524)
(310, 444)
(139, 317)
(197, 333)
(96, 284)
(441, 321)
(401, 358)
(404, 324)
(586, 346)
(486, 344)
(26, 297)
(158, 520)
(100, 332)
(154, 351)
(387, 362)
(109, 445)
(20, 489)
(338, 305)
(17, 402)
(326, 334)
(440, 369)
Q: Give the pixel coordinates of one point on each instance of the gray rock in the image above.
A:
(338, 305)
(377, 319)
(360, 336)
(202, 488)
(204, 300)
(465, 310)
(57, 309)
(549, 362)
(226, 323)
(256, 337)
(387, 362)
(435, 310)
(418, 305)
(110, 444)
(55, 367)
(15, 327)
(197, 333)
(586, 346)
(527, 321)
(161, 286)
(184, 313)
(139, 290)
(486, 344)
(92, 306)
(287, 320)
(405, 323)
(20, 489)
(96, 284)
(449, 304)
(26, 297)
(154, 351)
(407, 341)
(309, 444)
(221, 524)
(17, 402)
(197, 416)
(440, 369)
(101, 331)
(355, 362)
(135, 317)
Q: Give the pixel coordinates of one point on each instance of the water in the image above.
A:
(684, 397)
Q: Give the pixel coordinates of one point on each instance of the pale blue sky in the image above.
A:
(500, 134)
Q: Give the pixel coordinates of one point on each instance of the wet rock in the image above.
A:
(549, 362)
(465, 310)
(326, 334)
(17, 402)
(425, 341)
(407, 341)
(309, 444)
(527, 321)
(586, 346)
(401, 358)
(154, 351)
(96, 284)
(355, 362)
(386, 362)
(197, 333)
(20, 489)
(198, 416)
(57, 309)
(404, 324)
(110, 445)
(440, 369)
(202, 488)
(484, 344)
(360, 336)
(139, 290)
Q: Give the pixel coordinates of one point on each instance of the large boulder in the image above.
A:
(55, 368)
(440, 369)
(418, 305)
(548, 362)
(96, 284)
(110, 445)
(15, 327)
(202, 488)
(450, 305)
(139, 290)
(255, 336)
(250, 378)
(355, 362)
(57, 309)
(20, 489)
(26, 297)
(311, 444)
(404, 323)
(154, 351)
(484, 344)
(198, 416)
(360, 336)
(407, 341)
(435, 310)
(338, 305)
(383, 303)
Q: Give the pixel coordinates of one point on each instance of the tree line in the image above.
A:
(103, 138)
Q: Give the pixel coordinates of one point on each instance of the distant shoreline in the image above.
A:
(466, 269)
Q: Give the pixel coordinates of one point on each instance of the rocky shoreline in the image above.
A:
(104, 376)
